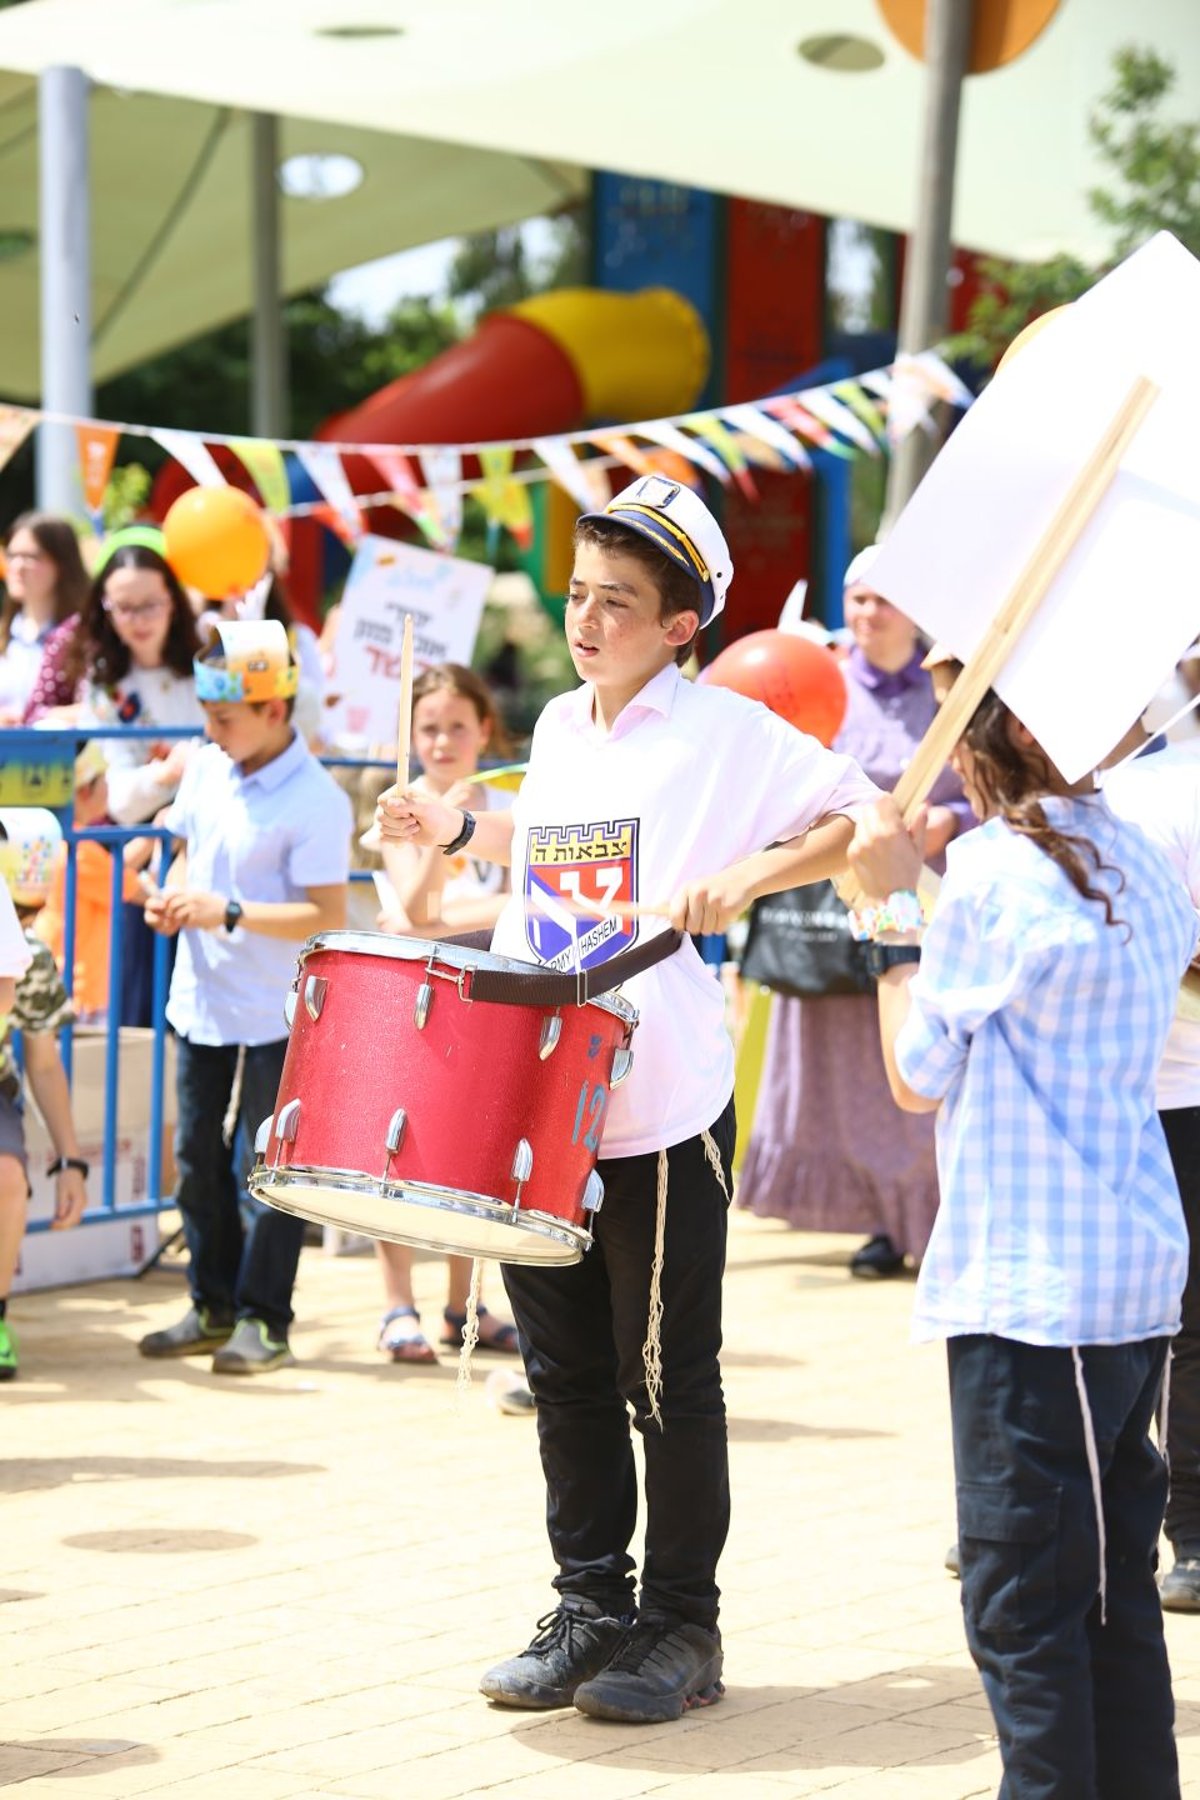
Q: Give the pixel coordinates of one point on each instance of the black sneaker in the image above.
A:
(1180, 1589)
(198, 1333)
(877, 1259)
(251, 1351)
(659, 1673)
(571, 1643)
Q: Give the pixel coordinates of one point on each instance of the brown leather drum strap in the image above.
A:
(546, 987)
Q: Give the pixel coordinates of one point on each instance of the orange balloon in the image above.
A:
(217, 541)
(799, 680)
(1027, 334)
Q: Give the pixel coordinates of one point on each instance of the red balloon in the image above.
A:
(799, 680)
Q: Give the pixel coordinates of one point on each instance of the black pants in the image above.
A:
(233, 1270)
(1083, 1710)
(582, 1331)
(1182, 1126)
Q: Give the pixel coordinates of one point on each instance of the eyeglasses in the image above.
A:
(129, 615)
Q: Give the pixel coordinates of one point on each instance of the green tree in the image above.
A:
(1154, 185)
(494, 268)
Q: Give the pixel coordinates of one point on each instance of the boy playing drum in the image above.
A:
(642, 788)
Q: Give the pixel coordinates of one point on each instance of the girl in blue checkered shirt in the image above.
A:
(1031, 1015)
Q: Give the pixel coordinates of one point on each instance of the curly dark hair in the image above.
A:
(56, 538)
(677, 592)
(98, 652)
(1013, 781)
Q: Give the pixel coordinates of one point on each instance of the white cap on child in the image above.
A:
(678, 522)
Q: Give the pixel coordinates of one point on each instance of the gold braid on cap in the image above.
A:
(692, 554)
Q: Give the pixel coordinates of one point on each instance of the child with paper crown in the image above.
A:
(30, 839)
(642, 788)
(263, 864)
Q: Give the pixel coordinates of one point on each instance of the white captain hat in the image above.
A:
(678, 522)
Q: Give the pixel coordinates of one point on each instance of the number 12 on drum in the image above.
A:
(593, 1104)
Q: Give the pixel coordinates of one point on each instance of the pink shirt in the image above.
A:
(690, 780)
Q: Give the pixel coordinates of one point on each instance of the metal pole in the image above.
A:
(66, 283)
(268, 346)
(923, 304)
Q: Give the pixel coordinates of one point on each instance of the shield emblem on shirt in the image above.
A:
(574, 875)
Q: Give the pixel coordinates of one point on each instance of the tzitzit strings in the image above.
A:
(470, 1336)
(652, 1348)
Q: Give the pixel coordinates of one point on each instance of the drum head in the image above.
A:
(441, 1219)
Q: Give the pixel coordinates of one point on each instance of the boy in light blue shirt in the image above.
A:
(263, 865)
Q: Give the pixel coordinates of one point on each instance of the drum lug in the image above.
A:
(593, 1194)
(424, 1002)
(262, 1136)
(314, 995)
(396, 1130)
(621, 1065)
(287, 1122)
(522, 1167)
(289, 1008)
(551, 1032)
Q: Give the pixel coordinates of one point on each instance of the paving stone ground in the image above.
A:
(287, 1587)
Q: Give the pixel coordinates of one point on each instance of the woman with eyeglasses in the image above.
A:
(128, 661)
(45, 584)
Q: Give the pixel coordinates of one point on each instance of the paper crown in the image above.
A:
(29, 842)
(256, 663)
(678, 521)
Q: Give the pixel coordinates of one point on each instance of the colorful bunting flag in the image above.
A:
(758, 424)
(838, 415)
(709, 427)
(441, 465)
(16, 423)
(193, 453)
(505, 501)
(587, 485)
(263, 462)
(862, 407)
(323, 464)
(616, 444)
(97, 449)
(662, 431)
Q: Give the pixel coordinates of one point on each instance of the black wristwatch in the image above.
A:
(233, 912)
(70, 1162)
(886, 956)
(464, 837)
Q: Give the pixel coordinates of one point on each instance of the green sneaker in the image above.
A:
(198, 1333)
(8, 1352)
(251, 1351)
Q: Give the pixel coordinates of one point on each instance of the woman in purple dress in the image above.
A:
(829, 1151)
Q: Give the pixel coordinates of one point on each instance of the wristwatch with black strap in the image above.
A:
(233, 912)
(887, 956)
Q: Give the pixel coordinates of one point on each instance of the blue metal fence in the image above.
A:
(37, 769)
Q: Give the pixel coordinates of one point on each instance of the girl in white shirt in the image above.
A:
(454, 723)
(45, 583)
(134, 662)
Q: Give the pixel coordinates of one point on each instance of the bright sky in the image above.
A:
(373, 288)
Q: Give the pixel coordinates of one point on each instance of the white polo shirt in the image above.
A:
(1161, 793)
(689, 780)
(264, 836)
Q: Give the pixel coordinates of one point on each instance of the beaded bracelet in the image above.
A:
(900, 912)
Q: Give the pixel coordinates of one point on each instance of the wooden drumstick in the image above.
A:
(404, 731)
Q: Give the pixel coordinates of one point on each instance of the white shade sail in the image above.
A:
(171, 212)
(714, 93)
